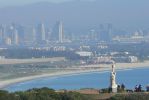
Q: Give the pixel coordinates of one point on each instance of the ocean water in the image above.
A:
(98, 80)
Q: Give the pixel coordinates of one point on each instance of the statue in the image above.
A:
(113, 84)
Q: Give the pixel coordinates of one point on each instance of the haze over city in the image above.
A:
(78, 14)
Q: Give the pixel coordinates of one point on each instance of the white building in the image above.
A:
(133, 59)
(84, 53)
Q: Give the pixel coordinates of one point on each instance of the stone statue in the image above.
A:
(113, 84)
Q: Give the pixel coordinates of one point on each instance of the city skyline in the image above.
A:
(16, 34)
(77, 20)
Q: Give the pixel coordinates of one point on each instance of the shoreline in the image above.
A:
(33, 60)
(102, 68)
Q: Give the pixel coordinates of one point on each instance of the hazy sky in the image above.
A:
(122, 13)
(4, 3)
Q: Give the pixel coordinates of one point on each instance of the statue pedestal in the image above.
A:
(114, 89)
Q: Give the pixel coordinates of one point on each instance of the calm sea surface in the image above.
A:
(130, 78)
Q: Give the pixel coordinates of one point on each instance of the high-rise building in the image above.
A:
(34, 34)
(57, 32)
(105, 32)
(13, 35)
(16, 37)
(8, 41)
(93, 35)
(41, 34)
(49, 32)
(109, 31)
(21, 33)
(2, 33)
(61, 34)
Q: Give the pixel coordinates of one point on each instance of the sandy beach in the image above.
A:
(33, 60)
(81, 69)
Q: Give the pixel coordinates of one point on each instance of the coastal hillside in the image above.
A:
(50, 94)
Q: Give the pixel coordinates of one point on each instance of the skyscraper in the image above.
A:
(109, 29)
(16, 37)
(41, 35)
(57, 33)
(34, 34)
(61, 35)
(21, 33)
(105, 32)
(13, 34)
(8, 41)
(2, 32)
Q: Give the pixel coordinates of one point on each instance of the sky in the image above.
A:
(4, 3)
(122, 13)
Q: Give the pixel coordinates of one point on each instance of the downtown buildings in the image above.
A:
(15, 35)
(43, 34)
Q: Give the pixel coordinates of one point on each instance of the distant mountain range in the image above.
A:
(80, 15)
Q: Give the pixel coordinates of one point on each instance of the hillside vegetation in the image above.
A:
(50, 94)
